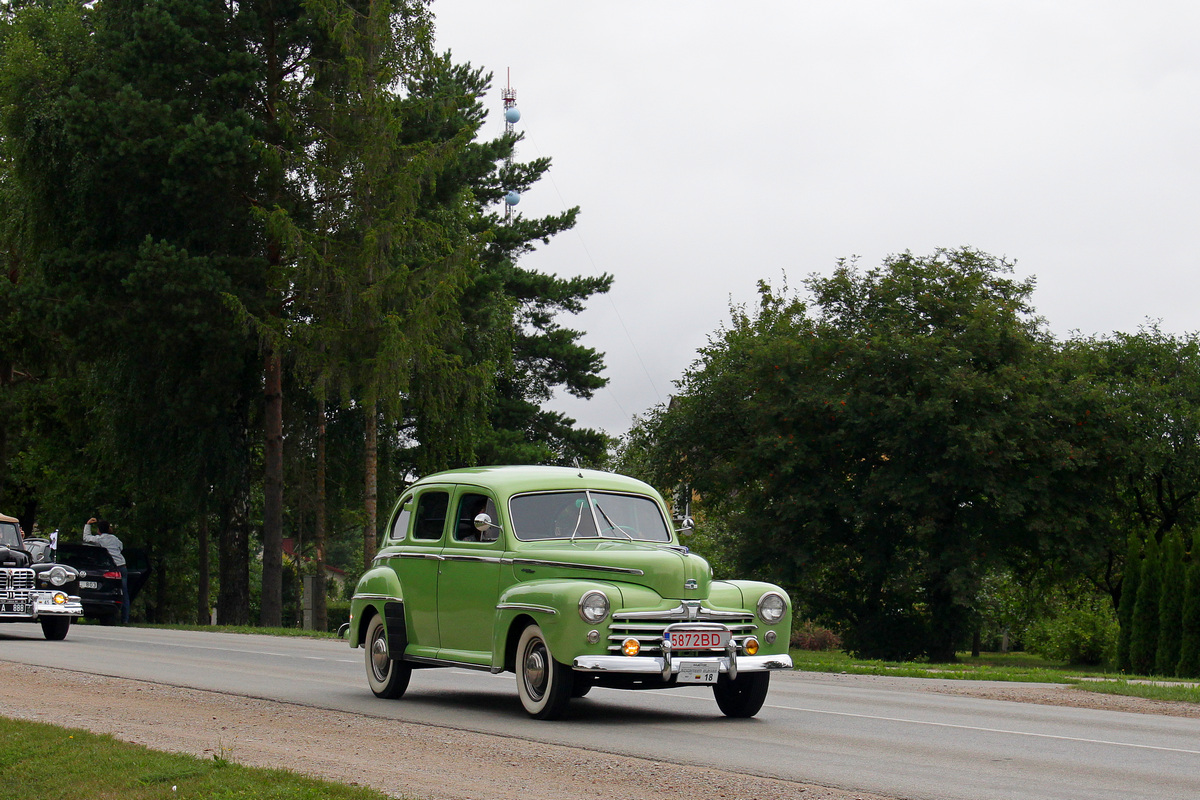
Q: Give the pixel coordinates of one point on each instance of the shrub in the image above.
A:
(337, 612)
(1083, 632)
(810, 636)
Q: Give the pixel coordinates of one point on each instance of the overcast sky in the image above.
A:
(713, 144)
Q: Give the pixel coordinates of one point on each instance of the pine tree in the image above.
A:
(1189, 640)
(1170, 604)
(1143, 642)
(1129, 586)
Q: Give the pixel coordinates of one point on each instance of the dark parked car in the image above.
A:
(35, 592)
(100, 580)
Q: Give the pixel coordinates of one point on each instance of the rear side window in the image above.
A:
(431, 515)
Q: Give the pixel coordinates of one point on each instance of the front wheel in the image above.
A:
(543, 684)
(55, 628)
(743, 696)
(387, 677)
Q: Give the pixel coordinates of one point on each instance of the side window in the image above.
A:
(400, 526)
(469, 507)
(431, 515)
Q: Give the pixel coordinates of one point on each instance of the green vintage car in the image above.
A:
(571, 579)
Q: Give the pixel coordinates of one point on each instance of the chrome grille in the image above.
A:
(15, 584)
(648, 626)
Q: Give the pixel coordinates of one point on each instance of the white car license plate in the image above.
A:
(89, 585)
(698, 672)
(698, 639)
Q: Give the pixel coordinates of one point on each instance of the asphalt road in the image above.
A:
(835, 733)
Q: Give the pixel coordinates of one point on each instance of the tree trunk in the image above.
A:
(203, 576)
(371, 472)
(271, 614)
(233, 598)
(319, 608)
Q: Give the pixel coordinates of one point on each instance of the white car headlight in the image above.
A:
(59, 576)
(593, 606)
(771, 607)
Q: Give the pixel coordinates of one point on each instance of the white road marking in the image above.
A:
(991, 730)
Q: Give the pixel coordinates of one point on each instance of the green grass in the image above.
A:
(297, 632)
(1022, 667)
(46, 762)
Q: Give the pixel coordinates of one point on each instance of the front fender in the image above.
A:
(554, 605)
(377, 586)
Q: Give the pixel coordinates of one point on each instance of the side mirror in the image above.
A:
(687, 526)
(483, 523)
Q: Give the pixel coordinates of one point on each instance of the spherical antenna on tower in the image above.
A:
(512, 115)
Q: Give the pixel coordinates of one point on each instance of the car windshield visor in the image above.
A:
(587, 515)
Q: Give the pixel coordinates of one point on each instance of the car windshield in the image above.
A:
(9, 535)
(85, 556)
(587, 515)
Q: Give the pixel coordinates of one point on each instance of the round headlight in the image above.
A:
(771, 607)
(59, 576)
(593, 606)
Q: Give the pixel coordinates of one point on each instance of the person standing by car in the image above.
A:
(112, 544)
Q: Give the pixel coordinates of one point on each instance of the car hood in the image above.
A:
(670, 571)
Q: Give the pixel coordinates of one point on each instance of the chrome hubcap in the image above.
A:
(535, 670)
(379, 657)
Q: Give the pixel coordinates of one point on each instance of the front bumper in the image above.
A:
(44, 605)
(730, 664)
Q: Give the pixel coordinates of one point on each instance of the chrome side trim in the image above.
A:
(533, 562)
(378, 597)
(439, 662)
(476, 559)
(650, 665)
(526, 607)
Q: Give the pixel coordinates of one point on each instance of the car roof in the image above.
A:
(7, 518)
(509, 480)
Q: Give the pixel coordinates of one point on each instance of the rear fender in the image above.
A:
(376, 588)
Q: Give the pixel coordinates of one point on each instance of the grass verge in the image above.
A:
(1022, 667)
(46, 762)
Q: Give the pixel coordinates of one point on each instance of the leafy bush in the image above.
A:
(1083, 632)
(810, 636)
(338, 613)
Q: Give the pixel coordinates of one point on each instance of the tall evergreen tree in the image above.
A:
(1170, 605)
(1129, 586)
(1143, 640)
(1189, 640)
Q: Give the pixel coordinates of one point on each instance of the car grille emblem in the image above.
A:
(690, 583)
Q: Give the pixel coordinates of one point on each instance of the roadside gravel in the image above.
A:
(431, 763)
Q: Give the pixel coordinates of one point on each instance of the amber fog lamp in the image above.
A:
(750, 646)
(631, 647)
(60, 599)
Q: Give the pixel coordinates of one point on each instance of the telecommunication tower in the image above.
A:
(512, 115)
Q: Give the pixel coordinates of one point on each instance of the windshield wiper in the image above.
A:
(612, 524)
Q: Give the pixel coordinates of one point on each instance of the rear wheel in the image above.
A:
(543, 684)
(55, 628)
(387, 677)
(743, 696)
